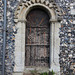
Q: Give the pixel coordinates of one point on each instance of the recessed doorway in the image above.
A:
(37, 47)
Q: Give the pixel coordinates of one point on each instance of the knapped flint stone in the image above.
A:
(63, 37)
(65, 48)
(70, 55)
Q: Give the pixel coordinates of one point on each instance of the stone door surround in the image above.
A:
(20, 14)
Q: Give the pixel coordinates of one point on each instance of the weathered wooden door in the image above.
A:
(37, 39)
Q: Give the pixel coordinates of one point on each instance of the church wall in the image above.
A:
(66, 35)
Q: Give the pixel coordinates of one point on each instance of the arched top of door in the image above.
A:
(25, 7)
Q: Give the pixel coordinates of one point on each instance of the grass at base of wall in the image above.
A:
(34, 72)
(48, 73)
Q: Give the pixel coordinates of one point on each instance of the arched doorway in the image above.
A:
(37, 47)
(21, 22)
